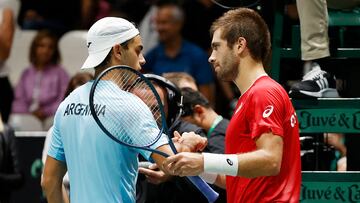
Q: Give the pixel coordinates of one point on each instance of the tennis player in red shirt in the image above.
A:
(262, 150)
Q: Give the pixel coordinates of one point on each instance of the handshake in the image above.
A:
(187, 142)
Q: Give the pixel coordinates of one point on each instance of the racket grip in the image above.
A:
(210, 194)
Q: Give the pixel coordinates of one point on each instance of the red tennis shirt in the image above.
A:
(265, 107)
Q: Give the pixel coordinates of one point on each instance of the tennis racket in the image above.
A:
(128, 109)
(232, 4)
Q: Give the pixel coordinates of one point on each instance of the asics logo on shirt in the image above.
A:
(229, 162)
(268, 110)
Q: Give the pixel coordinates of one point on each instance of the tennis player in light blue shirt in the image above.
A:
(100, 169)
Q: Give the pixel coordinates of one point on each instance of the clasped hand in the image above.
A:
(186, 163)
(182, 164)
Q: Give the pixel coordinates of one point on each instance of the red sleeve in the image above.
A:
(267, 112)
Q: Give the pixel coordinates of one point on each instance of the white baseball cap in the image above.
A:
(103, 35)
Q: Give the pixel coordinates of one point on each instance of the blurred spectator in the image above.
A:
(316, 82)
(181, 80)
(147, 29)
(315, 48)
(314, 21)
(78, 80)
(42, 85)
(153, 186)
(171, 97)
(175, 54)
(197, 110)
(337, 141)
(7, 30)
(10, 173)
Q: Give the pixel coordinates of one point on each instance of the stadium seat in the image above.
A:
(25, 122)
(73, 50)
(48, 122)
(19, 56)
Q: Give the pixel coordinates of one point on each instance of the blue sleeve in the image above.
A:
(147, 154)
(202, 70)
(56, 149)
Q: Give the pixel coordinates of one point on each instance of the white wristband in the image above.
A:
(226, 164)
(209, 177)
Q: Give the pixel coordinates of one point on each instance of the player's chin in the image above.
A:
(217, 68)
(137, 68)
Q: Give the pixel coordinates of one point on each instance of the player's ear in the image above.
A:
(117, 50)
(198, 110)
(241, 44)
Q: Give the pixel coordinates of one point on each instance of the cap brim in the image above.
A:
(95, 59)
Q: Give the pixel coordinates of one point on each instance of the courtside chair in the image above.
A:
(19, 55)
(25, 122)
(73, 50)
(337, 18)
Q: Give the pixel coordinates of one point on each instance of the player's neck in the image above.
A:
(249, 72)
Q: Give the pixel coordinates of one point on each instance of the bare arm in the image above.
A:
(7, 30)
(193, 142)
(51, 181)
(265, 161)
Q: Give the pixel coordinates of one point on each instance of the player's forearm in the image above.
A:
(159, 159)
(264, 161)
(52, 181)
(65, 194)
(258, 163)
(53, 192)
(250, 165)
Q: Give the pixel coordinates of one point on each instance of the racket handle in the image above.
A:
(210, 194)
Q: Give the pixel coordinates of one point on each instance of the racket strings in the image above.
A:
(114, 116)
(228, 4)
(146, 95)
(122, 118)
(123, 123)
(137, 83)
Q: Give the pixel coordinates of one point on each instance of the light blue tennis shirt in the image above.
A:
(100, 169)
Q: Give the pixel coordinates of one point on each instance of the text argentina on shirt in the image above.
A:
(80, 109)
